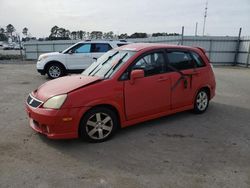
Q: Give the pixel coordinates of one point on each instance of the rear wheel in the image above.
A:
(55, 70)
(201, 101)
(98, 125)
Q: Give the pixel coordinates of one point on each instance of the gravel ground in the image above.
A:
(181, 150)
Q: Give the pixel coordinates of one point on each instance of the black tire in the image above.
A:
(98, 125)
(201, 101)
(55, 70)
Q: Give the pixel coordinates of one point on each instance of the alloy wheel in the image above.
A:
(54, 71)
(99, 126)
(202, 100)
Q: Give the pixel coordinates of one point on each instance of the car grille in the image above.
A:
(33, 102)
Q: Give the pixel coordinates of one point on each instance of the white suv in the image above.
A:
(74, 59)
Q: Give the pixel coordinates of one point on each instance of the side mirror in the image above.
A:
(136, 74)
(70, 52)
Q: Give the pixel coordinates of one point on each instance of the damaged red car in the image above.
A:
(125, 86)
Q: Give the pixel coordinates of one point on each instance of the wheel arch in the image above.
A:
(206, 88)
(108, 106)
(52, 62)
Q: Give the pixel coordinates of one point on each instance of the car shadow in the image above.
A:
(181, 138)
(181, 123)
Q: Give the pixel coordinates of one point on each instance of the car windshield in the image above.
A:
(108, 64)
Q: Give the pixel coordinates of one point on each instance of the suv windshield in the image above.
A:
(108, 63)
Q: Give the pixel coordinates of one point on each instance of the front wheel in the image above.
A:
(201, 102)
(55, 70)
(98, 125)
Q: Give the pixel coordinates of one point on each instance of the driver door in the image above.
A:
(79, 57)
(151, 94)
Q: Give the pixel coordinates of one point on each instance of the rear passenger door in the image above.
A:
(98, 49)
(186, 76)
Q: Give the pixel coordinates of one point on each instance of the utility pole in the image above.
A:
(196, 28)
(205, 17)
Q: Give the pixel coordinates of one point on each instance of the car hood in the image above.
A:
(62, 85)
(50, 54)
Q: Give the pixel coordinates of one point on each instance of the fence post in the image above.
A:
(237, 49)
(248, 54)
(210, 48)
(182, 35)
(20, 46)
(37, 51)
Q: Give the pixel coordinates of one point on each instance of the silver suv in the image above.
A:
(74, 59)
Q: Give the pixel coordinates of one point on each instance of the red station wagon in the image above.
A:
(127, 85)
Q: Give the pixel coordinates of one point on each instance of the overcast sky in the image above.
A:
(225, 17)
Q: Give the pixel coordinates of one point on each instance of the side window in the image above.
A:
(152, 64)
(100, 47)
(82, 48)
(180, 60)
(198, 60)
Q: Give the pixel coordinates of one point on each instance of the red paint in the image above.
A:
(135, 100)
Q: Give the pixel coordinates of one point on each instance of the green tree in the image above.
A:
(139, 35)
(59, 33)
(1, 30)
(123, 36)
(53, 31)
(81, 34)
(10, 29)
(3, 37)
(67, 34)
(96, 35)
(25, 31)
(108, 35)
(73, 35)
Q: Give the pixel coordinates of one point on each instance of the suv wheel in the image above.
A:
(98, 125)
(55, 70)
(201, 101)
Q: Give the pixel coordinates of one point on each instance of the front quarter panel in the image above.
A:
(58, 58)
(106, 92)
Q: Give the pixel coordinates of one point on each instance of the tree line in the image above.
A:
(60, 33)
(10, 32)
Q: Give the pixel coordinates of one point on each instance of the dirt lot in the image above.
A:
(182, 150)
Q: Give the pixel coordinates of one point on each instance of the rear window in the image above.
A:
(100, 47)
(198, 60)
(180, 60)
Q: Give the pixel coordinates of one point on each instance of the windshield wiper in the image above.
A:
(116, 65)
(110, 57)
(103, 62)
